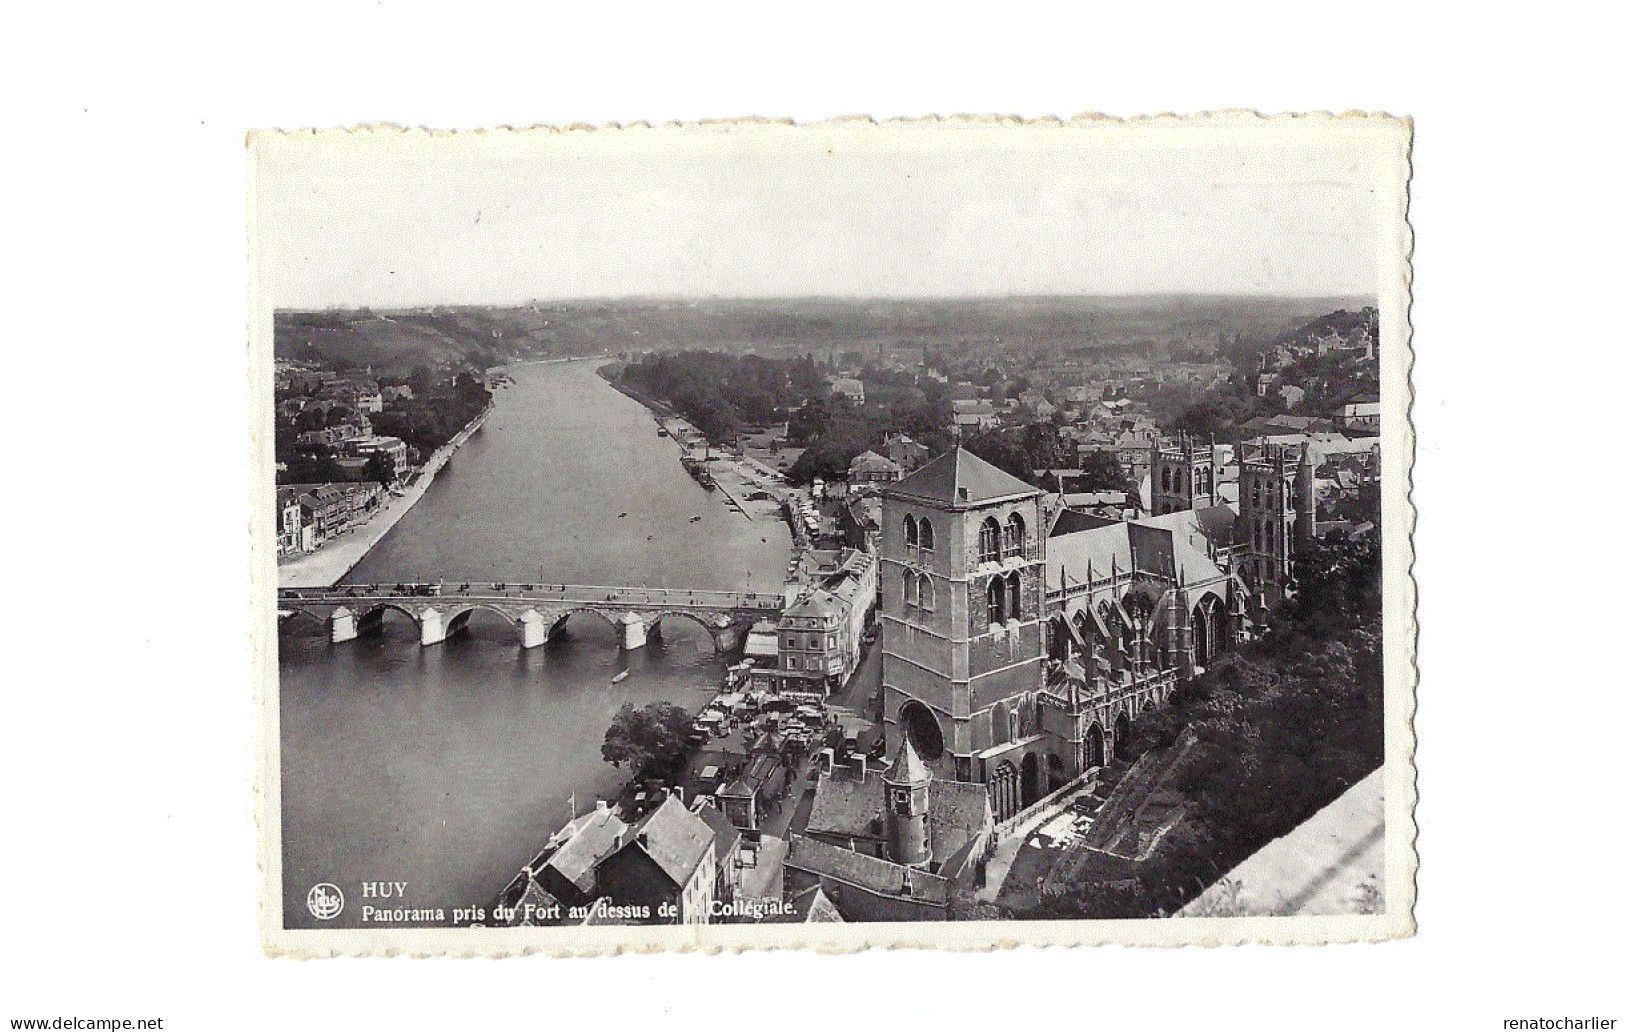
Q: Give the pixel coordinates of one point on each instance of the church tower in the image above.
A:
(908, 808)
(962, 608)
(1277, 514)
(1184, 475)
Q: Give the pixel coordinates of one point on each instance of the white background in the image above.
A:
(128, 876)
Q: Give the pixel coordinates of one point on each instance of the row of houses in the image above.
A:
(310, 514)
(675, 864)
(816, 643)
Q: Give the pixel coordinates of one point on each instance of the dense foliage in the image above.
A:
(433, 416)
(723, 393)
(653, 740)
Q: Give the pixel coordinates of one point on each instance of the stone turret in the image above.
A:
(908, 806)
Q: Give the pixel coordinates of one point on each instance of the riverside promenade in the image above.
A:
(323, 567)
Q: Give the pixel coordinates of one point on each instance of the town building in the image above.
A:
(859, 522)
(292, 537)
(667, 863)
(1362, 410)
(727, 845)
(974, 414)
(745, 799)
(568, 868)
(822, 629)
(365, 447)
(908, 453)
(851, 388)
(871, 468)
(330, 509)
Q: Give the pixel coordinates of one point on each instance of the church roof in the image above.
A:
(959, 478)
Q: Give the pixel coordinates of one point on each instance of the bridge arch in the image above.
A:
(457, 618)
(461, 612)
(375, 613)
(606, 617)
(657, 619)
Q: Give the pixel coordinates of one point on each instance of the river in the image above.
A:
(447, 767)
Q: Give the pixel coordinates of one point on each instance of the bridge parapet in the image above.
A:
(442, 609)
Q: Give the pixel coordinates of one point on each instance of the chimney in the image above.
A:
(861, 761)
(602, 805)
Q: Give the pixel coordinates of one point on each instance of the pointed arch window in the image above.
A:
(928, 594)
(995, 600)
(911, 532)
(1015, 536)
(928, 537)
(989, 540)
(1167, 479)
(911, 589)
(1012, 593)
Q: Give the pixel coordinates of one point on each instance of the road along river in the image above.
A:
(447, 767)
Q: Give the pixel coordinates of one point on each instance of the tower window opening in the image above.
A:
(1015, 536)
(989, 542)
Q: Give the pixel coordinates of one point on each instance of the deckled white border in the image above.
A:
(1386, 135)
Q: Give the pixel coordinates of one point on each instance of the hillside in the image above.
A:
(790, 326)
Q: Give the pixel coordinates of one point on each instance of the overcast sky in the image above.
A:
(392, 221)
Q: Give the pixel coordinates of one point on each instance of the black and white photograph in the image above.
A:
(663, 516)
(716, 529)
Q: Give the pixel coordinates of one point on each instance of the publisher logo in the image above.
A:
(325, 901)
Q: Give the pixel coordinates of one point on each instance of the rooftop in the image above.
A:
(674, 838)
(959, 478)
(866, 872)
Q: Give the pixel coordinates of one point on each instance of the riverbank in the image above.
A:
(324, 567)
(737, 476)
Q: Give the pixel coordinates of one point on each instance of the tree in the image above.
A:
(1102, 472)
(380, 467)
(652, 741)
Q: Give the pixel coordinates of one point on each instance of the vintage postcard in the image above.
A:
(947, 533)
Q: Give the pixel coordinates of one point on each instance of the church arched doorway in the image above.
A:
(1057, 772)
(1030, 792)
(1119, 735)
(1094, 745)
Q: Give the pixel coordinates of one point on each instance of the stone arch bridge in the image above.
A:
(537, 611)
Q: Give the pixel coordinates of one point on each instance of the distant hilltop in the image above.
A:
(1341, 325)
(883, 328)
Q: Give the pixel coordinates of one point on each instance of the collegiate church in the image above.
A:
(1020, 637)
